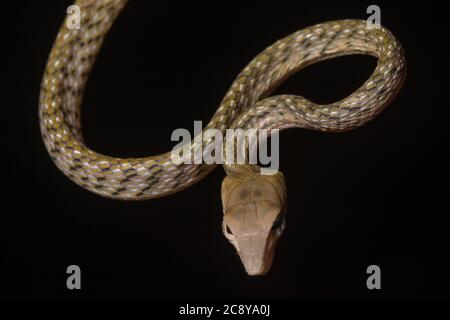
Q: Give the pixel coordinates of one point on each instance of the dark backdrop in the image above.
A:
(376, 195)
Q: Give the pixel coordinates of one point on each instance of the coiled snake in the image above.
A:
(253, 204)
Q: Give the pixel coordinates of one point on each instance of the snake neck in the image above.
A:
(237, 170)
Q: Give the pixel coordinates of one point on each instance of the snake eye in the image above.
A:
(227, 232)
(277, 224)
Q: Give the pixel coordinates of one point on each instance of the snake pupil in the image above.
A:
(276, 224)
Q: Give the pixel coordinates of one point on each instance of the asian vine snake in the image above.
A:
(253, 204)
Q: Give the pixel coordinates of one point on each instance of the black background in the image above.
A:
(376, 195)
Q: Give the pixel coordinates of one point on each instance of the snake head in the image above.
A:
(254, 217)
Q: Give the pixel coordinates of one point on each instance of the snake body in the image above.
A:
(247, 104)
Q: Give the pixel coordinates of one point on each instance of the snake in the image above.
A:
(253, 205)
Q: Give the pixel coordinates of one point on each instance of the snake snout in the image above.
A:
(254, 255)
(254, 265)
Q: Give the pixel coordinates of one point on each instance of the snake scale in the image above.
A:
(253, 205)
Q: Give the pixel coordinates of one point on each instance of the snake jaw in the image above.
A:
(254, 218)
